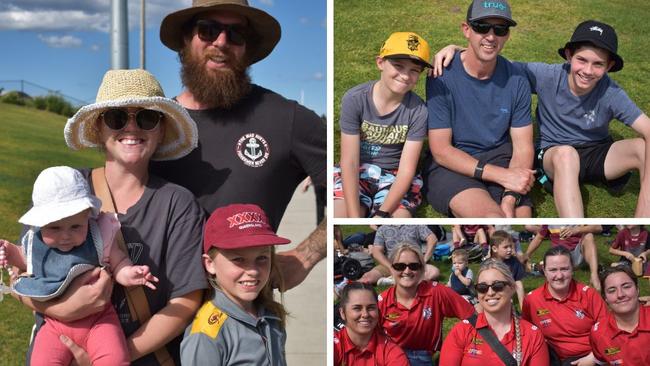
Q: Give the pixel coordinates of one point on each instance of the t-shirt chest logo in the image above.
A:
(253, 150)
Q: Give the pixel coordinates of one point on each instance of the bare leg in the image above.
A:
(474, 202)
(402, 213)
(624, 156)
(589, 252)
(562, 164)
(371, 277)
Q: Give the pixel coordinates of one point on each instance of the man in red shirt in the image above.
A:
(563, 309)
(578, 239)
(420, 326)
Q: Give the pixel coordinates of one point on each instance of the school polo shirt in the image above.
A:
(613, 346)
(565, 323)
(465, 347)
(420, 327)
(379, 351)
(553, 232)
(628, 242)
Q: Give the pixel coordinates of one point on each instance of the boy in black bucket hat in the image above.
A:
(576, 102)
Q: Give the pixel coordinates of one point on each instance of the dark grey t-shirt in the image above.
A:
(382, 137)
(566, 119)
(391, 236)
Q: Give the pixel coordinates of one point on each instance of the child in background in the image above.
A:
(465, 234)
(502, 248)
(383, 126)
(631, 243)
(461, 277)
(67, 236)
(242, 324)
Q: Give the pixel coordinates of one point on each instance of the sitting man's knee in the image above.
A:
(563, 155)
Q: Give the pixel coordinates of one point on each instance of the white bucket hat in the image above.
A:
(59, 192)
(134, 88)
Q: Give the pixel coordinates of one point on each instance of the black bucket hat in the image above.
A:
(598, 34)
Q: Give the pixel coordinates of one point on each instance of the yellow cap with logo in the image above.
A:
(406, 45)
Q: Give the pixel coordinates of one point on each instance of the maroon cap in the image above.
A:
(239, 226)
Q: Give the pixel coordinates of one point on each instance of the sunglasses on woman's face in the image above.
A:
(209, 30)
(402, 266)
(500, 30)
(497, 286)
(146, 119)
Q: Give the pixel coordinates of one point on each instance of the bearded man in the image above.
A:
(255, 146)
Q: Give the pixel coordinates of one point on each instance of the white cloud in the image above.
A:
(60, 41)
(87, 15)
(318, 76)
(266, 2)
(94, 48)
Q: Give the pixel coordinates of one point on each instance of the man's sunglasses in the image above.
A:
(500, 30)
(146, 119)
(209, 30)
(402, 266)
(497, 286)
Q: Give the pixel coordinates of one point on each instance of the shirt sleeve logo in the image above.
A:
(612, 351)
(253, 150)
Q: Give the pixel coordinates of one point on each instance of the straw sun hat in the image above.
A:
(134, 88)
(266, 29)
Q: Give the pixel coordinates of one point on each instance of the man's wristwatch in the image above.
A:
(514, 194)
(383, 214)
(478, 171)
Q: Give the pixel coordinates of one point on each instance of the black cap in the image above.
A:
(598, 34)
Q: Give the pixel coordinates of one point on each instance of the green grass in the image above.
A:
(31, 140)
(530, 283)
(360, 27)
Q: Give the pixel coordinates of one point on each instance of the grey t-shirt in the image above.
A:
(566, 119)
(382, 137)
(391, 236)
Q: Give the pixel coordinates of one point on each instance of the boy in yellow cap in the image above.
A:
(383, 125)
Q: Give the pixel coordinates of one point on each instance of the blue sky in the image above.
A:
(64, 45)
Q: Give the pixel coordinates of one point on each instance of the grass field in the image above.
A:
(530, 283)
(360, 27)
(30, 140)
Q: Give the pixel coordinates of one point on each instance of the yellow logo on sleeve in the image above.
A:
(208, 320)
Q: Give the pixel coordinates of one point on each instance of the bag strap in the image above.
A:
(488, 335)
(135, 296)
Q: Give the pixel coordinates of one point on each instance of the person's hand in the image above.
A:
(568, 231)
(441, 60)
(519, 180)
(629, 256)
(3, 253)
(456, 271)
(508, 205)
(304, 187)
(141, 276)
(95, 287)
(588, 360)
(80, 355)
(643, 257)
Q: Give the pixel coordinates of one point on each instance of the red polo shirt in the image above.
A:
(380, 351)
(628, 242)
(617, 347)
(565, 324)
(465, 347)
(420, 327)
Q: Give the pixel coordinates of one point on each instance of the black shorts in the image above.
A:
(442, 184)
(592, 164)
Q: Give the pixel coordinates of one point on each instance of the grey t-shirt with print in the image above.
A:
(391, 236)
(566, 119)
(382, 137)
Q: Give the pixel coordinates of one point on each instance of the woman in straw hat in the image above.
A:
(132, 123)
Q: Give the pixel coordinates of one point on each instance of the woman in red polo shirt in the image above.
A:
(361, 342)
(413, 310)
(564, 310)
(464, 344)
(623, 337)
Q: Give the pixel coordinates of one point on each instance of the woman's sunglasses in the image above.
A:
(209, 30)
(402, 266)
(497, 286)
(500, 30)
(146, 119)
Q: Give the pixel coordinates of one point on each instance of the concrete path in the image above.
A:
(306, 334)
